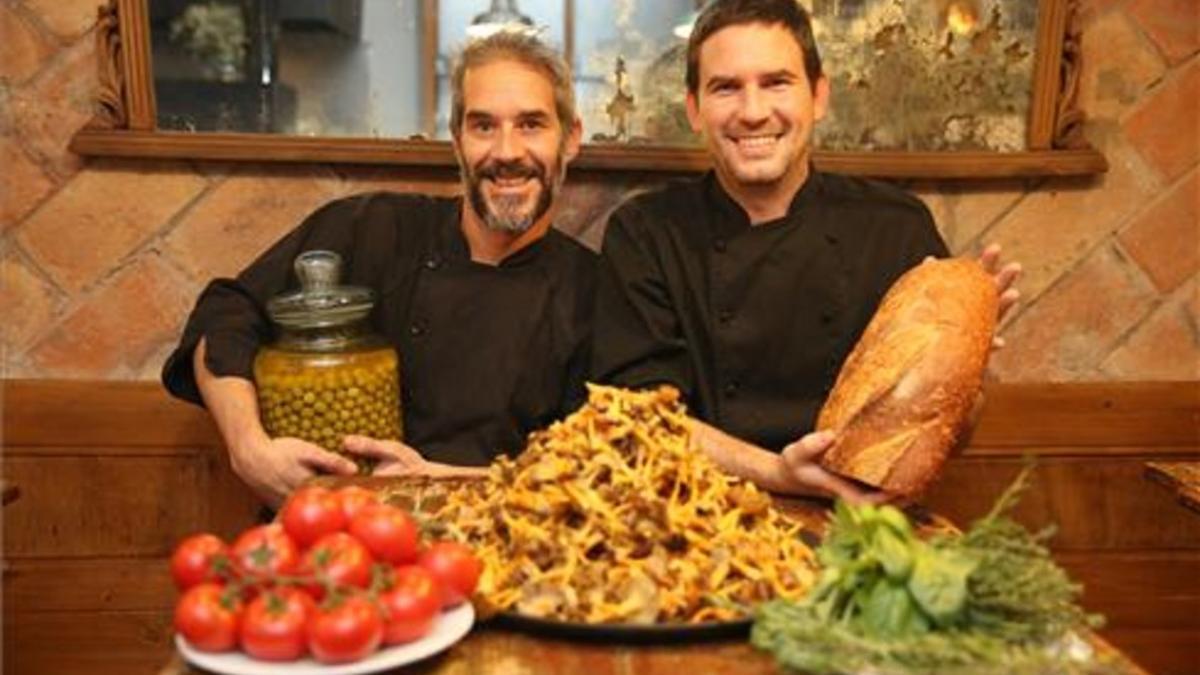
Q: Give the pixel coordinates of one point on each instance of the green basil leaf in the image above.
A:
(895, 555)
(939, 583)
(891, 612)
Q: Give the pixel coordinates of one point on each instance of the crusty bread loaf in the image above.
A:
(903, 397)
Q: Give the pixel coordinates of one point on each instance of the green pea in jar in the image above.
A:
(327, 375)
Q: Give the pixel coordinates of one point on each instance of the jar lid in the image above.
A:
(321, 302)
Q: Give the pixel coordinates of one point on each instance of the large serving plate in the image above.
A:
(626, 633)
(451, 627)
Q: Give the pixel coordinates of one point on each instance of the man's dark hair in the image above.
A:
(720, 14)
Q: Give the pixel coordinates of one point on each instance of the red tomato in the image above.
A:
(264, 552)
(410, 605)
(455, 567)
(196, 560)
(387, 532)
(354, 498)
(207, 616)
(348, 631)
(273, 626)
(311, 513)
(340, 559)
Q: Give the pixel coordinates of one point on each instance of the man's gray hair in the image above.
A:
(520, 46)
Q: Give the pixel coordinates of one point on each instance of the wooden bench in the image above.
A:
(108, 476)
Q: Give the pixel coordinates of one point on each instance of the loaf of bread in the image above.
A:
(902, 399)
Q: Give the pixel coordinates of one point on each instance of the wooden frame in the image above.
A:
(125, 123)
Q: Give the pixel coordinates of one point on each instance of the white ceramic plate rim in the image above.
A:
(451, 626)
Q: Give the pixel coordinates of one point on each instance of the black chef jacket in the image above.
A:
(487, 353)
(751, 323)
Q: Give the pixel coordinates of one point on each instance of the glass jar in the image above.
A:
(327, 375)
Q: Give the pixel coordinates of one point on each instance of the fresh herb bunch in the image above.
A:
(988, 600)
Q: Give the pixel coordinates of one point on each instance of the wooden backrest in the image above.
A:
(103, 456)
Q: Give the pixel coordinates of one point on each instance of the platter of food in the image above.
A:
(610, 525)
(627, 633)
(339, 584)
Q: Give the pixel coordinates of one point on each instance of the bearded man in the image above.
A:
(487, 305)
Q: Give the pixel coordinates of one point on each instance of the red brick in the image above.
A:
(151, 368)
(1051, 229)
(1165, 127)
(1067, 333)
(102, 215)
(23, 50)
(116, 330)
(243, 216)
(1174, 25)
(30, 303)
(1165, 240)
(67, 19)
(25, 184)
(1166, 346)
(1118, 66)
(962, 214)
(56, 105)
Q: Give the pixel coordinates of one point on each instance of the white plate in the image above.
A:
(451, 626)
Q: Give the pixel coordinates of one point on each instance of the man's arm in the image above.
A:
(792, 472)
(637, 339)
(271, 467)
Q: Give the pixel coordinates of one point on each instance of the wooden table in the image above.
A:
(492, 649)
(1182, 477)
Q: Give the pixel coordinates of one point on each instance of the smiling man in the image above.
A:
(747, 288)
(488, 306)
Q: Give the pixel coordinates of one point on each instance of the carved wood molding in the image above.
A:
(110, 98)
(1069, 119)
(125, 122)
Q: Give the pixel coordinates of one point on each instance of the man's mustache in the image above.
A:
(497, 170)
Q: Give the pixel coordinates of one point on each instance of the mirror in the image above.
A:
(943, 88)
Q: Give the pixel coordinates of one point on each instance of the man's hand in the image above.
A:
(1005, 276)
(793, 472)
(270, 467)
(801, 470)
(397, 459)
(275, 467)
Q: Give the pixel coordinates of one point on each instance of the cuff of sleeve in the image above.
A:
(225, 355)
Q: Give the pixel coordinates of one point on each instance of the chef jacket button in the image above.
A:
(720, 245)
(416, 330)
(432, 264)
(731, 389)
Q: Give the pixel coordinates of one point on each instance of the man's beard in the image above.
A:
(503, 213)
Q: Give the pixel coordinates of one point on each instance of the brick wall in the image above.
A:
(100, 260)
